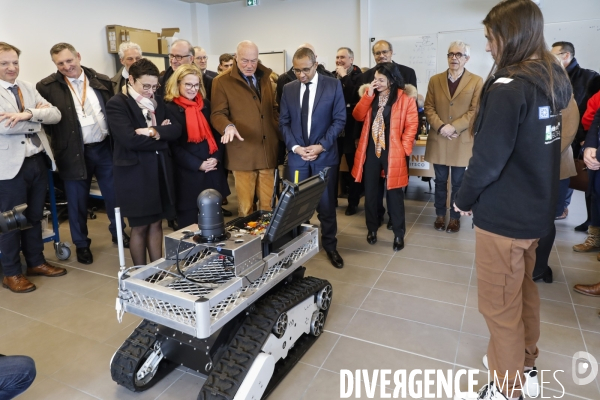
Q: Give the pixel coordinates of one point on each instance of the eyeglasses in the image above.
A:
(202, 58)
(192, 86)
(381, 53)
(178, 58)
(457, 55)
(305, 70)
(154, 88)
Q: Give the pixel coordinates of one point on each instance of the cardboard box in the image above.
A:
(165, 38)
(117, 34)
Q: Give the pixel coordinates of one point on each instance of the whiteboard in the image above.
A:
(275, 60)
(585, 35)
(480, 62)
(418, 53)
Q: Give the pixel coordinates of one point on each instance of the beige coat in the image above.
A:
(440, 109)
(234, 102)
(570, 124)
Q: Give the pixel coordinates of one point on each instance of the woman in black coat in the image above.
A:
(143, 171)
(198, 154)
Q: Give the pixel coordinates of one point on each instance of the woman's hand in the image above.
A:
(371, 89)
(142, 131)
(589, 157)
(464, 213)
(209, 165)
(166, 122)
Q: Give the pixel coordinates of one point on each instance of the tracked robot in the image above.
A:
(226, 301)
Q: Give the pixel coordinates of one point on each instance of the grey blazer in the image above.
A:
(12, 143)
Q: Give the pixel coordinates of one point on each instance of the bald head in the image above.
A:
(247, 57)
(308, 46)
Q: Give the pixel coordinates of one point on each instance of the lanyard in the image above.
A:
(83, 97)
(21, 99)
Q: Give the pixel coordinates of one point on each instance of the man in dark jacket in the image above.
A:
(79, 140)
(349, 76)
(289, 76)
(580, 78)
(182, 52)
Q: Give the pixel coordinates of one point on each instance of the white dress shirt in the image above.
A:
(91, 133)
(311, 101)
(30, 148)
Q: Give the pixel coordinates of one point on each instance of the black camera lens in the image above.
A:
(13, 219)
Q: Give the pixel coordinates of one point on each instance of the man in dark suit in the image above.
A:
(25, 156)
(313, 114)
(80, 140)
(201, 61)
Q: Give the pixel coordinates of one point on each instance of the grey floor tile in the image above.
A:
(339, 317)
(560, 339)
(430, 270)
(456, 258)
(422, 287)
(471, 350)
(431, 312)
(474, 323)
(51, 389)
(350, 273)
(588, 318)
(416, 337)
(559, 313)
(295, 384)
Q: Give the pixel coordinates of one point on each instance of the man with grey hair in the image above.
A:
(243, 111)
(201, 60)
(451, 101)
(349, 76)
(129, 53)
(181, 52)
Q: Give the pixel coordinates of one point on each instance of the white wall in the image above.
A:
(329, 24)
(82, 23)
(277, 25)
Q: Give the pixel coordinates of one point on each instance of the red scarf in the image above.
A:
(198, 129)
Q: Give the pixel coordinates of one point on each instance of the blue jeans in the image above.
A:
(16, 375)
(441, 188)
(563, 196)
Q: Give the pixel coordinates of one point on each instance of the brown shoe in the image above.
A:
(46, 270)
(18, 284)
(440, 223)
(592, 242)
(453, 226)
(588, 290)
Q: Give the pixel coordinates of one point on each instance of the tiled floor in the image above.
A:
(413, 309)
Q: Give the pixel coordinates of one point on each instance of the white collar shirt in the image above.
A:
(97, 131)
(311, 97)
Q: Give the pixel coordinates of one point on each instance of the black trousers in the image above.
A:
(395, 197)
(354, 188)
(28, 186)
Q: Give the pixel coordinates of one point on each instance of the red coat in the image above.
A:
(404, 120)
(592, 106)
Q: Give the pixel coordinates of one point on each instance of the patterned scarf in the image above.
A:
(378, 128)
(147, 105)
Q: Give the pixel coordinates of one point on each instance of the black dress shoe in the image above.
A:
(583, 227)
(350, 210)
(226, 213)
(115, 240)
(546, 276)
(372, 237)
(398, 243)
(172, 223)
(389, 225)
(335, 258)
(84, 255)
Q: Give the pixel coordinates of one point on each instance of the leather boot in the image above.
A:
(588, 290)
(18, 284)
(592, 242)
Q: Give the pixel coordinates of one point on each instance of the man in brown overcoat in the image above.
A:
(451, 101)
(243, 111)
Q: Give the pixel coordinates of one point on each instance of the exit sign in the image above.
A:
(251, 3)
